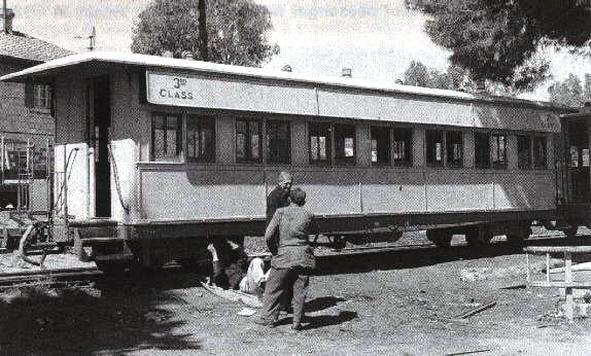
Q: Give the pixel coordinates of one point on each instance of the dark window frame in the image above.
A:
(450, 162)
(340, 151)
(315, 128)
(279, 156)
(179, 137)
(499, 163)
(521, 162)
(480, 152)
(248, 158)
(431, 142)
(543, 163)
(207, 150)
(402, 135)
(383, 145)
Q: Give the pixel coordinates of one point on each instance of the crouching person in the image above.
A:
(291, 266)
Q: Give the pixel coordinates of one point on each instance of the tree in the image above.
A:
(236, 31)
(497, 39)
(417, 74)
(567, 93)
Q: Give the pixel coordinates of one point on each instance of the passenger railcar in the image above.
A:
(159, 154)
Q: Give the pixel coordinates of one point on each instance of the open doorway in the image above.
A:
(102, 166)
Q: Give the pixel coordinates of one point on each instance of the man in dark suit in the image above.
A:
(293, 262)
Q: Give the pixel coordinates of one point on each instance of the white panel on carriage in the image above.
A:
(123, 159)
(330, 191)
(393, 191)
(76, 181)
(203, 192)
(203, 91)
(529, 190)
(459, 190)
(433, 111)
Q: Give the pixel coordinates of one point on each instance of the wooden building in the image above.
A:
(26, 123)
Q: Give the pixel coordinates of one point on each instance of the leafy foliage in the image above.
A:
(570, 92)
(497, 39)
(237, 31)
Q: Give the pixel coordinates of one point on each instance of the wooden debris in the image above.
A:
(585, 266)
(234, 295)
(476, 310)
(468, 352)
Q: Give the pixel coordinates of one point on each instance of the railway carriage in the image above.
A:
(154, 156)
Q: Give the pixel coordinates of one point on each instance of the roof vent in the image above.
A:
(286, 68)
(346, 72)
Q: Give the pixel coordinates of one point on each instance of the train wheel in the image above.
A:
(479, 236)
(571, 231)
(440, 238)
(112, 267)
(518, 236)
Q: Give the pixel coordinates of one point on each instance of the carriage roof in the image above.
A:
(148, 61)
(262, 90)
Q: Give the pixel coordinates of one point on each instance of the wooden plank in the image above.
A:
(557, 249)
(561, 284)
(476, 310)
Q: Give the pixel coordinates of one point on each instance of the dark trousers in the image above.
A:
(280, 281)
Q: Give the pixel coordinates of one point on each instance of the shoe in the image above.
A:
(264, 322)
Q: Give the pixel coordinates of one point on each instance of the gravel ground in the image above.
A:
(395, 303)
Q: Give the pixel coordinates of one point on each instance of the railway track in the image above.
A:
(86, 276)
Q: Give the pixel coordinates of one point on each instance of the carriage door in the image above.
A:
(578, 161)
(102, 165)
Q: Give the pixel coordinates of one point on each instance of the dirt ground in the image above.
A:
(391, 303)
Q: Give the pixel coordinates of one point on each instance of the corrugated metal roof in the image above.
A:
(21, 46)
(260, 73)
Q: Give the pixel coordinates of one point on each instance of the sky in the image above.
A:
(376, 38)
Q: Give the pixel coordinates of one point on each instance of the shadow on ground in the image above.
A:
(409, 258)
(113, 318)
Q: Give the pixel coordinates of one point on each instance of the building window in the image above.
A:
(166, 137)
(455, 148)
(499, 151)
(200, 139)
(344, 143)
(38, 96)
(435, 153)
(524, 152)
(380, 146)
(481, 150)
(278, 142)
(248, 140)
(402, 146)
(40, 163)
(540, 157)
(320, 143)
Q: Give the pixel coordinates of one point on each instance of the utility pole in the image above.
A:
(91, 39)
(4, 13)
(202, 31)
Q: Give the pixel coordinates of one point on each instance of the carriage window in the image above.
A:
(434, 140)
(380, 146)
(278, 142)
(455, 148)
(166, 137)
(200, 139)
(402, 145)
(320, 143)
(523, 152)
(499, 151)
(344, 144)
(248, 140)
(540, 159)
(482, 150)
